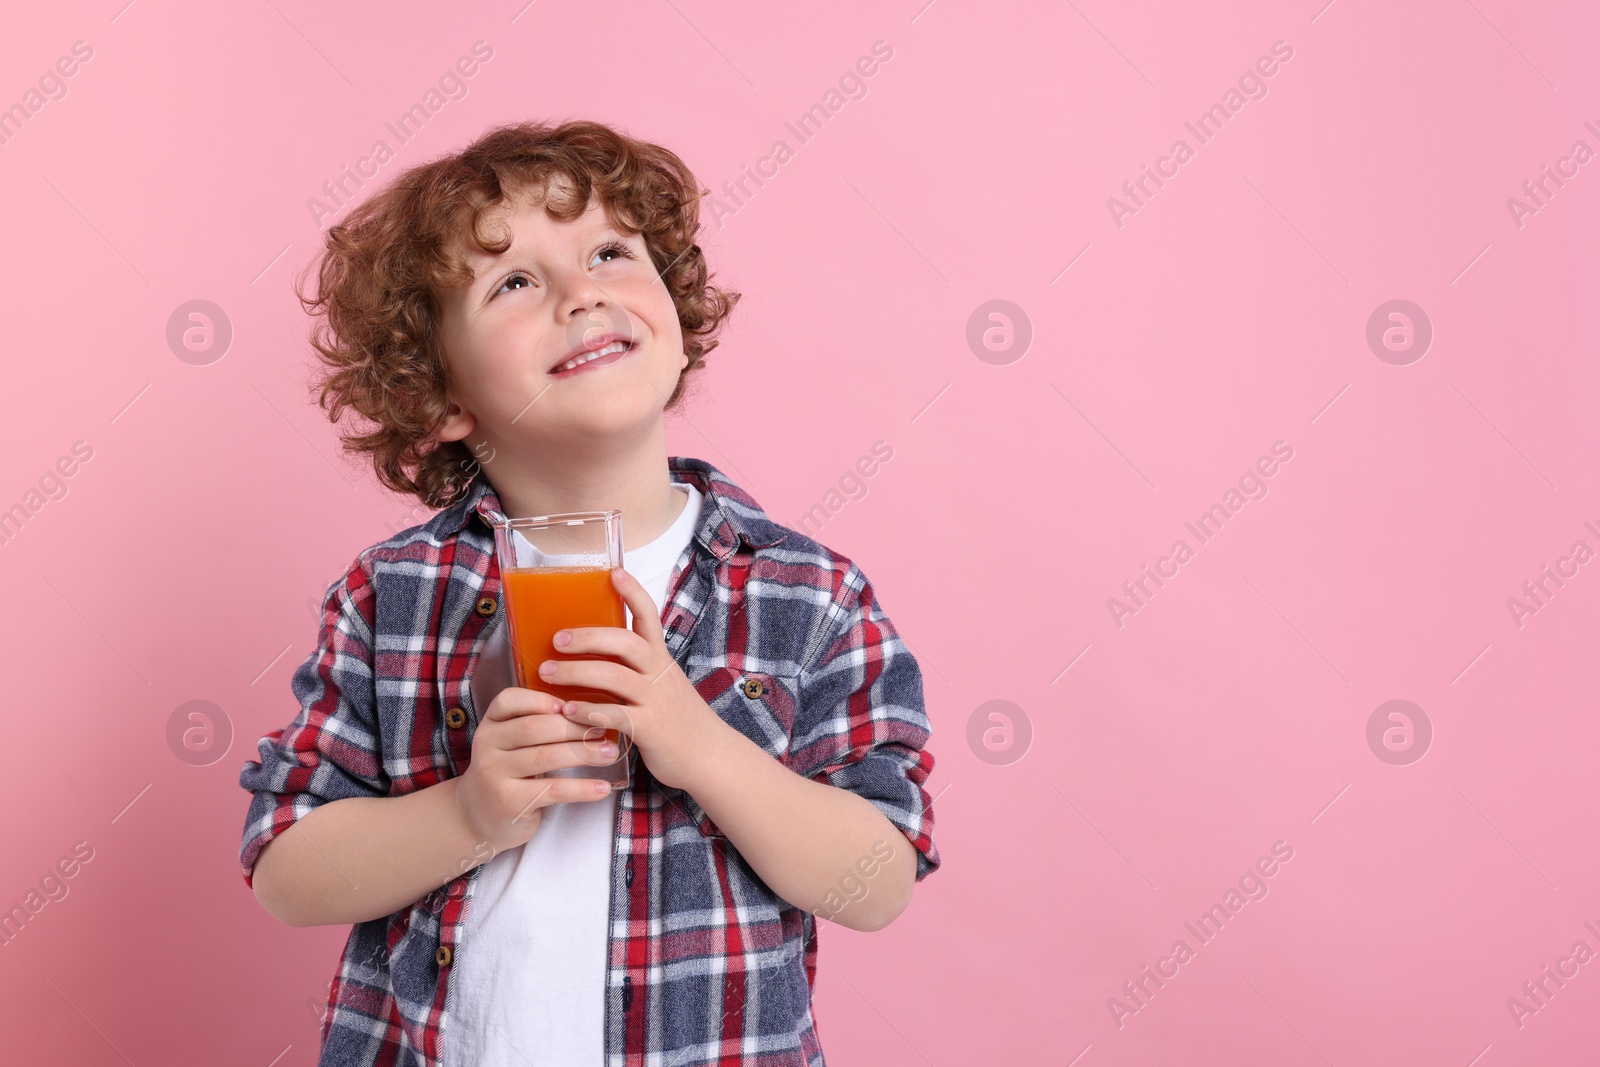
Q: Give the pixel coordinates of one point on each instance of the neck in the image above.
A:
(633, 481)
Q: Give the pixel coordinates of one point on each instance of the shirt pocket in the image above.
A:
(760, 705)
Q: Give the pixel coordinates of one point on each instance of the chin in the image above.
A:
(619, 410)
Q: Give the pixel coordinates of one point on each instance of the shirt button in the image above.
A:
(753, 688)
(442, 957)
(627, 875)
(486, 606)
(455, 718)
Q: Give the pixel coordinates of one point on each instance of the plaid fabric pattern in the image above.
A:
(706, 964)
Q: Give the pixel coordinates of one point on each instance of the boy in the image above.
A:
(514, 321)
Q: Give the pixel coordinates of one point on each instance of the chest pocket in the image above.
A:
(757, 704)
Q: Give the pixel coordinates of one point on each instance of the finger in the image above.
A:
(544, 794)
(537, 760)
(530, 731)
(599, 716)
(513, 701)
(606, 675)
(646, 616)
(617, 642)
(597, 720)
(559, 791)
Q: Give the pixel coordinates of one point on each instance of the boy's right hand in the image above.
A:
(524, 734)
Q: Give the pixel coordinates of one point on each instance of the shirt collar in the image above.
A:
(729, 515)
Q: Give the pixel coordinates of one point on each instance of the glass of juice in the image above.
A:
(555, 574)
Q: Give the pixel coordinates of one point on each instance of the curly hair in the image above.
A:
(377, 316)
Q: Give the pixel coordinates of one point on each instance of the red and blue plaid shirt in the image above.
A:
(706, 964)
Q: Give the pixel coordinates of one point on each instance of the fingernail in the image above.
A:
(546, 669)
(563, 639)
(608, 749)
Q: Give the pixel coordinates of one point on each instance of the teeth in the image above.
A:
(614, 346)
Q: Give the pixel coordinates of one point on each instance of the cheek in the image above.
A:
(653, 302)
(504, 353)
(661, 318)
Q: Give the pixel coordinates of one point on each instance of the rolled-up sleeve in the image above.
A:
(332, 749)
(860, 723)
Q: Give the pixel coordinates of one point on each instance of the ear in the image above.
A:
(458, 422)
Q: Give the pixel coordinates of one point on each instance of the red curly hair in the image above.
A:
(377, 331)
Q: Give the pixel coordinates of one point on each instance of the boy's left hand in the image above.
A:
(660, 708)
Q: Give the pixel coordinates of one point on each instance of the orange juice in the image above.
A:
(543, 600)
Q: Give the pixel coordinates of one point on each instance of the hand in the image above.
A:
(660, 709)
(522, 734)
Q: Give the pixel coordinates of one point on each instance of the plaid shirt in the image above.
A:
(706, 965)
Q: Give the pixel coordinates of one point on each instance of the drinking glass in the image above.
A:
(555, 574)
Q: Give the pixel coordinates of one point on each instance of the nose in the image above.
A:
(590, 312)
(579, 292)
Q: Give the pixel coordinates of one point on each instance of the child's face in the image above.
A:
(559, 287)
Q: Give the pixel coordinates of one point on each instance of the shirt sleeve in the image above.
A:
(331, 750)
(860, 723)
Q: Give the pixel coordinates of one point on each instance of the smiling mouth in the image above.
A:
(600, 357)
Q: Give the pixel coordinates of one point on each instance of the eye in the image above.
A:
(509, 280)
(615, 246)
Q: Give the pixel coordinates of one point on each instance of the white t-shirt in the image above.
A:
(531, 959)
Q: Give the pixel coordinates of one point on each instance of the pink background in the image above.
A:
(1227, 314)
